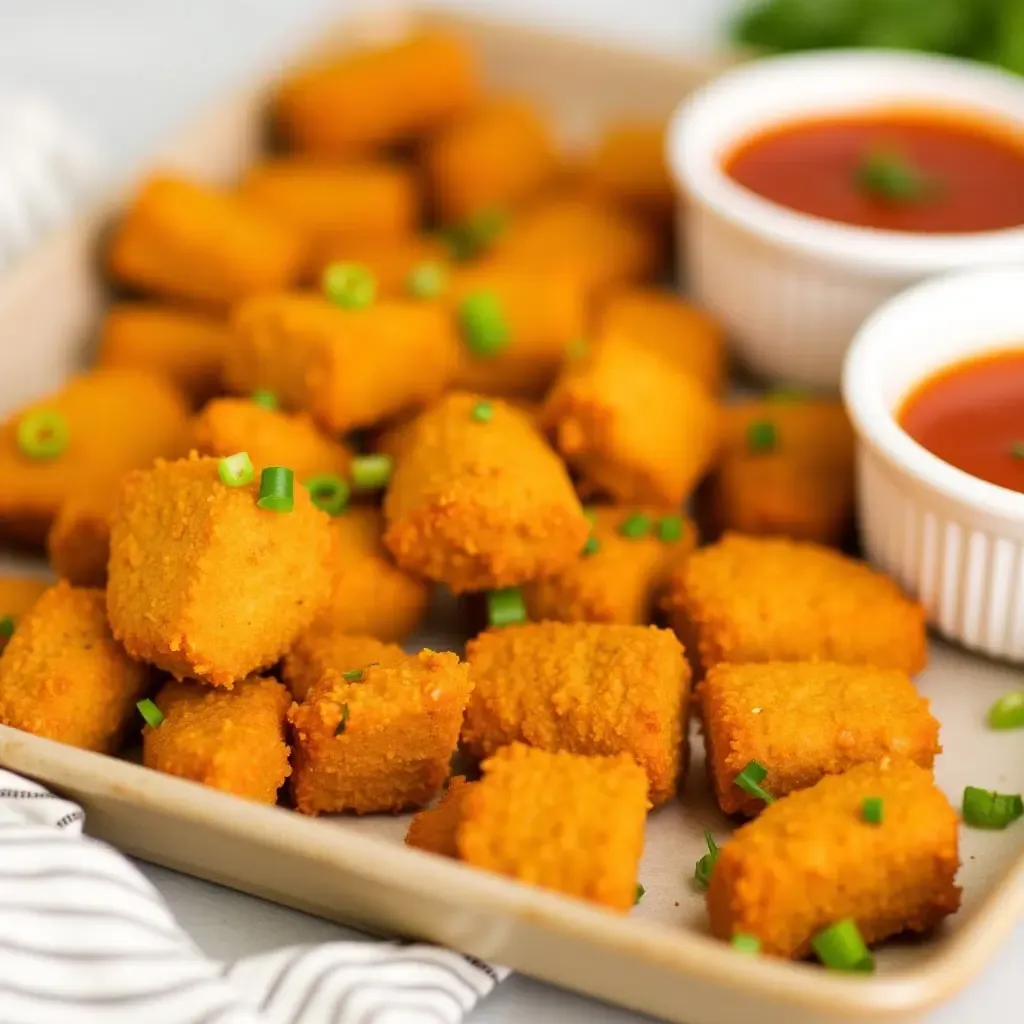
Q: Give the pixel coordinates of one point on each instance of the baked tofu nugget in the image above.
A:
(116, 420)
(205, 584)
(185, 347)
(561, 821)
(381, 742)
(586, 688)
(479, 503)
(19, 593)
(373, 98)
(434, 830)
(64, 677)
(78, 544)
(812, 860)
(618, 576)
(182, 240)
(324, 651)
(752, 599)
(631, 426)
(345, 367)
(805, 720)
(390, 260)
(629, 167)
(232, 740)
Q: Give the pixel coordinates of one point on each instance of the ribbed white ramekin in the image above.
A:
(792, 289)
(953, 541)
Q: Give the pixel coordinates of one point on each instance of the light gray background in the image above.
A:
(129, 71)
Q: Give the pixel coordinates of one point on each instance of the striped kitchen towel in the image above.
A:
(86, 939)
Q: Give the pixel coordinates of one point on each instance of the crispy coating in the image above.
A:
(345, 367)
(752, 599)
(202, 582)
(586, 688)
(620, 582)
(376, 97)
(629, 167)
(561, 821)
(118, 419)
(179, 239)
(810, 860)
(630, 425)
(805, 720)
(64, 677)
(382, 743)
(325, 651)
(232, 740)
(434, 829)
(390, 260)
(78, 544)
(494, 158)
(480, 505)
(19, 593)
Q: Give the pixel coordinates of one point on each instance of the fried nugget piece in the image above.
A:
(325, 651)
(78, 544)
(751, 599)
(232, 740)
(630, 425)
(179, 239)
(434, 829)
(479, 505)
(390, 260)
(64, 677)
(811, 860)
(629, 167)
(374, 98)
(205, 584)
(19, 593)
(117, 419)
(382, 742)
(805, 720)
(345, 367)
(586, 688)
(561, 821)
(185, 347)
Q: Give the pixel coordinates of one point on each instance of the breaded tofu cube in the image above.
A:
(629, 167)
(805, 720)
(381, 741)
(811, 860)
(231, 740)
(586, 688)
(78, 544)
(203, 583)
(19, 593)
(324, 650)
(753, 599)
(434, 829)
(621, 571)
(64, 677)
(391, 261)
(561, 821)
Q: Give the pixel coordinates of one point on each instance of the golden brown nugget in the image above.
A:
(480, 504)
(629, 167)
(78, 544)
(18, 594)
(587, 688)
(805, 720)
(811, 860)
(560, 821)
(232, 740)
(494, 158)
(752, 599)
(184, 346)
(324, 651)
(391, 261)
(182, 240)
(434, 829)
(117, 419)
(203, 583)
(375, 98)
(344, 367)
(616, 577)
(381, 742)
(64, 677)
(631, 426)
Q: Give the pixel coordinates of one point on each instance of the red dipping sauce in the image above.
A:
(974, 170)
(971, 415)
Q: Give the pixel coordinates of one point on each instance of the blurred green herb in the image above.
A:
(889, 177)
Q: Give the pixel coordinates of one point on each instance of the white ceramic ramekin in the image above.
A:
(953, 541)
(792, 289)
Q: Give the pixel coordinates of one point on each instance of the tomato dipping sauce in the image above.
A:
(899, 170)
(971, 415)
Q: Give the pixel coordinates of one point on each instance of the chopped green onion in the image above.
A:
(349, 285)
(505, 607)
(702, 872)
(276, 489)
(483, 412)
(1017, 450)
(744, 943)
(787, 394)
(635, 526)
(590, 512)
(592, 546)
(888, 176)
(6, 627)
(484, 327)
(1008, 711)
(750, 779)
(475, 235)
(840, 947)
(354, 675)
(43, 434)
(343, 721)
(986, 809)
(670, 529)
(371, 472)
(265, 399)
(426, 280)
(328, 492)
(872, 810)
(640, 892)
(762, 437)
(236, 470)
(150, 712)
(576, 349)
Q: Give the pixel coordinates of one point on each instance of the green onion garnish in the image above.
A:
(505, 607)
(43, 434)
(841, 948)
(640, 891)
(6, 628)
(426, 280)
(1017, 450)
(670, 529)
(1008, 711)
(744, 943)
(786, 394)
(354, 675)
(872, 809)
(328, 492)
(483, 412)
(750, 779)
(986, 809)
(150, 712)
(484, 327)
(371, 472)
(276, 489)
(236, 470)
(590, 512)
(888, 176)
(343, 721)
(761, 437)
(349, 285)
(702, 872)
(576, 349)
(635, 526)
(592, 546)
(265, 399)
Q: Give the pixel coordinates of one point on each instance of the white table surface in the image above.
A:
(130, 71)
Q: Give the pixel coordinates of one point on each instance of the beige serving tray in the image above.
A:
(659, 959)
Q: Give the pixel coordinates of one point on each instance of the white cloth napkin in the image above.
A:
(85, 939)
